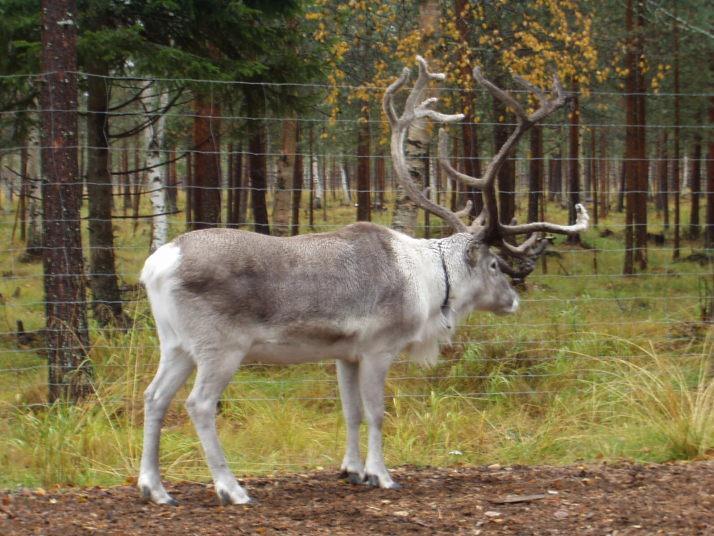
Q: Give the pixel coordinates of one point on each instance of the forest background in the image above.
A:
(266, 116)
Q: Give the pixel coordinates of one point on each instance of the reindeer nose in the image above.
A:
(514, 305)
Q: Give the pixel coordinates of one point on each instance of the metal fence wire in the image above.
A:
(577, 305)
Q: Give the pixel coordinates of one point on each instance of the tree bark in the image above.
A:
(258, 177)
(636, 166)
(138, 183)
(642, 186)
(709, 226)
(171, 182)
(663, 178)
(188, 189)
(22, 200)
(106, 298)
(535, 176)
(235, 171)
(364, 176)
(33, 245)
(380, 182)
(157, 176)
(405, 213)
(284, 178)
(125, 179)
(695, 186)
(311, 199)
(574, 162)
(472, 164)
(594, 178)
(604, 171)
(66, 334)
(506, 177)
(298, 179)
(206, 164)
(676, 156)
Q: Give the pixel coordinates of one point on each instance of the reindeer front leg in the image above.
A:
(372, 375)
(348, 380)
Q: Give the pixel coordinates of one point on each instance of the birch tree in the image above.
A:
(155, 135)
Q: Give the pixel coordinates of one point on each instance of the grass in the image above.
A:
(594, 366)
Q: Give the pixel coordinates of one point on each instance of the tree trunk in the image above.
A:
(172, 182)
(235, 172)
(594, 177)
(22, 200)
(311, 172)
(472, 165)
(66, 334)
(298, 179)
(630, 153)
(155, 135)
(188, 188)
(604, 170)
(632, 166)
(230, 186)
(642, 163)
(125, 179)
(535, 176)
(241, 199)
(507, 174)
(404, 217)
(138, 183)
(364, 176)
(695, 185)
(676, 156)
(317, 183)
(574, 162)
(206, 164)
(33, 245)
(106, 304)
(709, 226)
(258, 177)
(556, 175)
(663, 178)
(380, 182)
(345, 180)
(284, 178)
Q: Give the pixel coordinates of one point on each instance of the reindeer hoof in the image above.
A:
(373, 480)
(226, 497)
(158, 498)
(352, 477)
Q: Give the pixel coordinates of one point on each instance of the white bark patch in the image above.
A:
(346, 197)
(317, 181)
(157, 175)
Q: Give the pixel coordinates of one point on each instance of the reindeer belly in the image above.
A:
(303, 343)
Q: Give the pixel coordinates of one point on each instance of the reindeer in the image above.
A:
(359, 295)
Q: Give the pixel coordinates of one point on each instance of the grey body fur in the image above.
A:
(359, 295)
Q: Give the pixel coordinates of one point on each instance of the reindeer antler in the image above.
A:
(486, 227)
(400, 125)
(487, 224)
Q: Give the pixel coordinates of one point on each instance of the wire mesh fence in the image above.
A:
(222, 164)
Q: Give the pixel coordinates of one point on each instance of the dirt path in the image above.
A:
(601, 499)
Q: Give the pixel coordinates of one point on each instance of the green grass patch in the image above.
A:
(594, 366)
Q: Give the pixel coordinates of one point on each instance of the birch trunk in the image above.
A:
(344, 181)
(33, 248)
(157, 176)
(317, 184)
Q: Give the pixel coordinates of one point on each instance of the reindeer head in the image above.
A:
(493, 251)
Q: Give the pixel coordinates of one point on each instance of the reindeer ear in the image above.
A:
(474, 252)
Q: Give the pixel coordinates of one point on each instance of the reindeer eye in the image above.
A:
(493, 265)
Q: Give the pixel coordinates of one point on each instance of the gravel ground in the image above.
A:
(603, 499)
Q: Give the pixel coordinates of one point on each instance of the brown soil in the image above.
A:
(601, 499)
